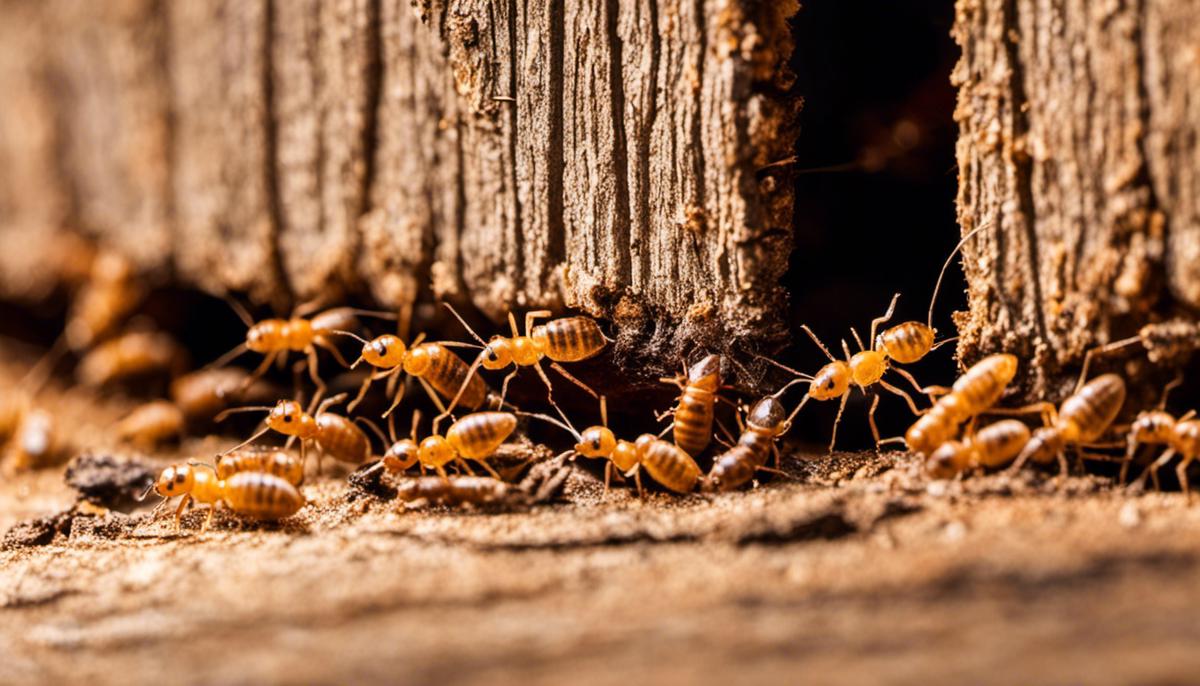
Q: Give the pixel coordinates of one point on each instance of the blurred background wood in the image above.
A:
(611, 156)
(1080, 139)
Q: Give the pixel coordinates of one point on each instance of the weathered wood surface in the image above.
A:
(607, 155)
(1079, 140)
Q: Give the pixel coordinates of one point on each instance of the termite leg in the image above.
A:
(912, 405)
(1101, 351)
(531, 316)
(911, 379)
(259, 370)
(549, 392)
(311, 352)
(875, 323)
(871, 420)
(569, 377)
(1152, 470)
(333, 350)
(183, 503)
(463, 463)
(212, 507)
(488, 467)
(838, 420)
(608, 470)
(1181, 473)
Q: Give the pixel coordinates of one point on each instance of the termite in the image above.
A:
(332, 434)
(766, 421)
(276, 338)
(454, 490)
(665, 462)
(109, 294)
(200, 395)
(273, 461)
(250, 494)
(972, 394)
(133, 354)
(692, 425)
(474, 437)
(151, 424)
(1158, 427)
(36, 441)
(991, 447)
(1162, 341)
(904, 343)
(1080, 422)
(567, 339)
(433, 364)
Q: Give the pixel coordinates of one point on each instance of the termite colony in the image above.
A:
(950, 436)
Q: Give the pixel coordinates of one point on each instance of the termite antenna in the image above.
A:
(801, 376)
(39, 374)
(146, 492)
(778, 394)
(239, 310)
(462, 321)
(355, 336)
(946, 265)
(228, 357)
(234, 410)
(551, 420)
(374, 427)
(244, 443)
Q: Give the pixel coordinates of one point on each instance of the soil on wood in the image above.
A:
(854, 569)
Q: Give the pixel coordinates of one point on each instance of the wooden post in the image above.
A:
(1080, 142)
(608, 155)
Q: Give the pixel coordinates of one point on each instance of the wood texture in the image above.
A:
(1079, 144)
(606, 154)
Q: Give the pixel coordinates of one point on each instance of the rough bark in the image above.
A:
(607, 154)
(1079, 145)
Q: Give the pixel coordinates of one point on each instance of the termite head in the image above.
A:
(705, 375)
(767, 415)
(948, 460)
(1043, 446)
(596, 441)
(386, 352)
(402, 455)
(928, 432)
(867, 367)
(1153, 427)
(287, 417)
(831, 381)
(435, 451)
(267, 335)
(174, 480)
(498, 353)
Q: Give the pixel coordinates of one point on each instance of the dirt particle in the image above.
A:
(368, 481)
(109, 481)
(34, 532)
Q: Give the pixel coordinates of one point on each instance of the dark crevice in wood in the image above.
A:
(620, 217)
(373, 101)
(697, 135)
(645, 134)
(1145, 177)
(1022, 163)
(518, 233)
(271, 142)
(555, 163)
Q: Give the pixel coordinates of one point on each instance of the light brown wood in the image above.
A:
(607, 155)
(1079, 141)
